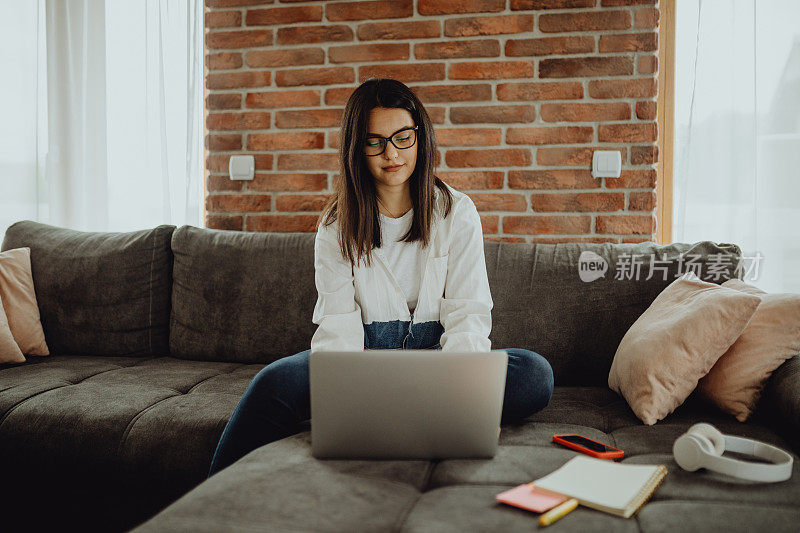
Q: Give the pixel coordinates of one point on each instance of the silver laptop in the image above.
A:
(406, 404)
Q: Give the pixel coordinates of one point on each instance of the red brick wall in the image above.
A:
(520, 92)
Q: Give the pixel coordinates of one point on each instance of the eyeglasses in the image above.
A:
(401, 139)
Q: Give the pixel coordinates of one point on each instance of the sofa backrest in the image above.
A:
(100, 293)
(249, 297)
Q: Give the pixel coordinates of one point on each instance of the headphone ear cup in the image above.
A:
(714, 437)
(688, 452)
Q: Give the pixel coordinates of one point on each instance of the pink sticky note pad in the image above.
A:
(527, 497)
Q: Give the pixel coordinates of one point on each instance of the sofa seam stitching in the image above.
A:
(133, 420)
(69, 384)
(407, 512)
(211, 377)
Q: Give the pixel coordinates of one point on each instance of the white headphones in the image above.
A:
(702, 447)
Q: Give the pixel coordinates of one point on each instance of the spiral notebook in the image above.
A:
(616, 488)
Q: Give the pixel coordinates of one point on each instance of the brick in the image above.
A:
(418, 29)
(586, 112)
(225, 142)
(648, 65)
(436, 114)
(308, 162)
(314, 76)
(283, 15)
(235, 3)
(225, 222)
(215, 182)
(468, 136)
(499, 201)
(647, 17)
(454, 7)
(457, 49)
(238, 80)
(549, 4)
(636, 88)
(314, 34)
(288, 182)
(624, 224)
(492, 238)
(558, 240)
(238, 121)
(586, 67)
(224, 61)
(641, 200)
(614, 3)
(492, 70)
(497, 157)
(285, 141)
(453, 93)
(377, 9)
(338, 95)
(628, 133)
(403, 72)
(570, 90)
(547, 224)
(638, 239)
(564, 156)
(219, 162)
(273, 99)
(581, 202)
(628, 42)
(316, 118)
(239, 39)
(585, 21)
(285, 58)
(490, 223)
(572, 44)
(487, 179)
(556, 135)
(224, 101)
(646, 110)
(493, 25)
(552, 179)
(633, 179)
(282, 223)
(492, 114)
(301, 202)
(369, 52)
(223, 19)
(238, 202)
(644, 155)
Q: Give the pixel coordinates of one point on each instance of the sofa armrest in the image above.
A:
(780, 402)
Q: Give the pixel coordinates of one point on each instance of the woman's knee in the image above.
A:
(288, 375)
(537, 376)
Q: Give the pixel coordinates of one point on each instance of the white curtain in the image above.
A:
(737, 136)
(118, 142)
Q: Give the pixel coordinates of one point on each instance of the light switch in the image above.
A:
(242, 167)
(606, 164)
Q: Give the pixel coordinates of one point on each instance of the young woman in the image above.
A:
(426, 285)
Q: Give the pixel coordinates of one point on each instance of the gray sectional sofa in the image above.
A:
(155, 335)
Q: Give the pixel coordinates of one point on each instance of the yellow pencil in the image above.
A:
(557, 512)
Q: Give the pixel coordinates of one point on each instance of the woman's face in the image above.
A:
(386, 122)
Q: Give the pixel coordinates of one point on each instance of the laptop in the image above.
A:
(406, 404)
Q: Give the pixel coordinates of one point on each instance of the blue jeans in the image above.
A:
(277, 400)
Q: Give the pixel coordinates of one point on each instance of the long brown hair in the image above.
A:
(353, 204)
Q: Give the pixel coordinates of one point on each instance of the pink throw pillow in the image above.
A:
(735, 383)
(675, 342)
(19, 301)
(9, 351)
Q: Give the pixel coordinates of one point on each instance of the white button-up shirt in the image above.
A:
(454, 288)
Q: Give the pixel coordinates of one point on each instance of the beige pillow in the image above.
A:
(675, 342)
(9, 351)
(19, 301)
(735, 383)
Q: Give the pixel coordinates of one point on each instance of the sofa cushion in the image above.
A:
(541, 302)
(245, 297)
(100, 293)
(129, 434)
(280, 486)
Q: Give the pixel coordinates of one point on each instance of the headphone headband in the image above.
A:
(691, 454)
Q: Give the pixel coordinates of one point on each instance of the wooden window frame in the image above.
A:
(666, 121)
